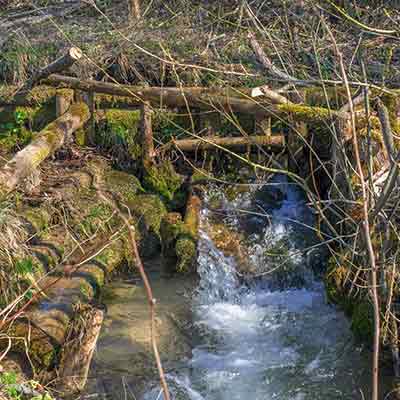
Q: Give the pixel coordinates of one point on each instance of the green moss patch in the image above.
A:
(164, 181)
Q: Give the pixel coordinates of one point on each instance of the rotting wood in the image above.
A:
(276, 143)
(45, 143)
(78, 355)
(61, 64)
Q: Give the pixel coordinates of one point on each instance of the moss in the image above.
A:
(171, 227)
(99, 216)
(42, 352)
(165, 181)
(38, 217)
(149, 209)
(357, 308)
(391, 102)
(186, 251)
(123, 118)
(305, 113)
(124, 185)
(117, 133)
(362, 323)
(80, 137)
(334, 281)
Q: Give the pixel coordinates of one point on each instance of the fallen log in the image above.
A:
(39, 95)
(61, 64)
(42, 146)
(228, 100)
(276, 143)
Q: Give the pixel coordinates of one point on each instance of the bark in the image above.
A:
(78, 355)
(61, 64)
(276, 143)
(227, 100)
(44, 144)
(62, 104)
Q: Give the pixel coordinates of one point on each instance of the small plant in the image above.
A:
(14, 132)
(24, 267)
(8, 383)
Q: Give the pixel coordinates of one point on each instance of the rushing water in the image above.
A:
(274, 337)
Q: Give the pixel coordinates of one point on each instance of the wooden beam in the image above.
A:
(276, 143)
(197, 97)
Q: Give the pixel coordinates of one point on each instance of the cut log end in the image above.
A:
(75, 53)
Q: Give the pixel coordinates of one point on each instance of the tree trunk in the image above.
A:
(276, 143)
(42, 146)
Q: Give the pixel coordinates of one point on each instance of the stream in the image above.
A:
(272, 336)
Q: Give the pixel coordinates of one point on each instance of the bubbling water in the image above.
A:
(274, 337)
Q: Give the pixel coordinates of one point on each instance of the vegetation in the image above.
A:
(82, 195)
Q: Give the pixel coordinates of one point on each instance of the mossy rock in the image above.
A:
(38, 217)
(125, 186)
(172, 226)
(117, 133)
(165, 181)
(149, 210)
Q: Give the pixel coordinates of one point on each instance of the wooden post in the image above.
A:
(91, 124)
(146, 131)
(262, 127)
